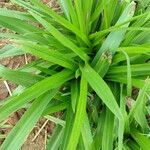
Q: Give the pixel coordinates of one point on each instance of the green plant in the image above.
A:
(89, 59)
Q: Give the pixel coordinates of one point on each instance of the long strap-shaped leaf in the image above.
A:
(68, 127)
(139, 100)
(24, 27)
(28, 6)
(97, 139)
(72, 12)
(15, 14)
(55, 107)
(34, 91)
(19, 77)
(79, 117)
(102, 90)
(87, 9)
(56, 138)
(29, 36)
(107, 140)
(139, 49)
(138, 83)
(59, 19)
(137, 70)
(99, 8)
(64, 6)
(80, 14)
(20, 132)
(49, 55)
(141, 139)
(61, 38)
(86, 134)
(115, 38)
(9, 51)
(74, 94)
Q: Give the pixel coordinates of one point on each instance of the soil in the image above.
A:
(14, 63)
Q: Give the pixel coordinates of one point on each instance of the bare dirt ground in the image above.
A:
(36, 140)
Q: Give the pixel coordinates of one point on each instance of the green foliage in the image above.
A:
(89, 58)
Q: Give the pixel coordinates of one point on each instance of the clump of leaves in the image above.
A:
(90, 56)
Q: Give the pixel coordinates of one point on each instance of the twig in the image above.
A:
(45, 138)
(26, 60)
(40, 130)
(8, 88)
